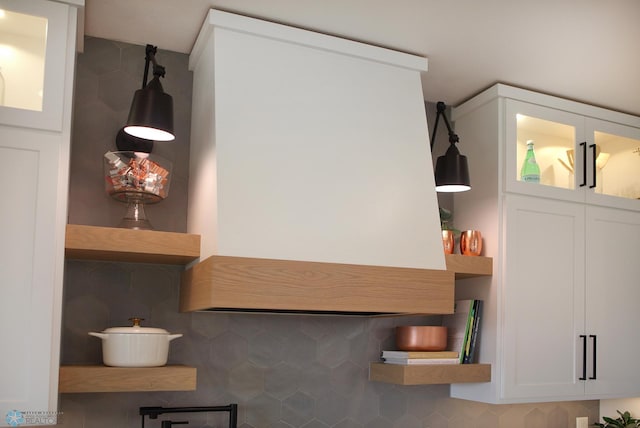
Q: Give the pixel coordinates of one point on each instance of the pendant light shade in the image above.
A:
(452, 169)
(151, 114)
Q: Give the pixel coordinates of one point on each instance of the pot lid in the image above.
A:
(136, 328)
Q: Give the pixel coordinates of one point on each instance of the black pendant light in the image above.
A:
(452, 169)
(151, 114)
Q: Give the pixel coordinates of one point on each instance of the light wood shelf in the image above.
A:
(98, 378)
(250, 284)
(127, 245)
(429, 374)
(469, 266)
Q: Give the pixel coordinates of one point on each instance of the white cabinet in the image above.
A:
(612, 296)
(585, 155)
(543, 297)
(559, 309)
(34, 154)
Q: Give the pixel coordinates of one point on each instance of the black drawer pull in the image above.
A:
(593, 336)
(584, 163)
(584, 357)
(593, 155)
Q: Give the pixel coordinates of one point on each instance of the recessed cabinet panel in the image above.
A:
(613, 294)
(544, 287)
(17, 267)
(28, 271)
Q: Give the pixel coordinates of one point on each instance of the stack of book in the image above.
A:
(420, 357)
(463, 329)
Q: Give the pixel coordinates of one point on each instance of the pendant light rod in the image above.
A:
(150, 57)
(440, 109)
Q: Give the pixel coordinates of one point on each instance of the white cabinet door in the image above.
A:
(557, 136)
(30, 271)
(543, 298)
(613, 295)
(613, 178)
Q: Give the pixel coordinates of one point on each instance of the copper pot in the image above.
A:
(421, 338)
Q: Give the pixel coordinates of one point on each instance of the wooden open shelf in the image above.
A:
(124, 379)
(429, 374)
(127, 245)
(250, 284)
(469, 266)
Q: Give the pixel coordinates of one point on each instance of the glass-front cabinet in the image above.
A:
(32, 63)
(579, 158)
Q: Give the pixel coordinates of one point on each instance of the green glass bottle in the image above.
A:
(530, 171)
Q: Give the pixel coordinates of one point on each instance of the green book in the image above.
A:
(458, 326)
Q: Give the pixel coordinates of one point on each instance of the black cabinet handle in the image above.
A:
(584, 357)
(584, 163)
(593, 336)
(169, 424)
(593, 159)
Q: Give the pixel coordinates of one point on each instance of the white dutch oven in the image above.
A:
(135, 346)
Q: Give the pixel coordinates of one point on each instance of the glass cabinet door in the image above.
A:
(613, 157)
(555, 136)
(33, 54)
(22, 54)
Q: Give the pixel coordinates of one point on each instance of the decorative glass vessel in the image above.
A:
(136, 179)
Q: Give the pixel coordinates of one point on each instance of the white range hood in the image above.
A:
(309, 147)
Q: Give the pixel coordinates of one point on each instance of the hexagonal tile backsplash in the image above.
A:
(284, 371)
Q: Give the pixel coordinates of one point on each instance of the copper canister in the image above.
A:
(448, 241)
(421, 338)
(471, 243)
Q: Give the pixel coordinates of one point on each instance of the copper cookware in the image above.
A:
(421, 338)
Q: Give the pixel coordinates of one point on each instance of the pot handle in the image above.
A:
(100, 335)
(173, 336)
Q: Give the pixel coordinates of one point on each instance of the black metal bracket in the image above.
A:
(154, 412)
(150, 57)
(440, 109)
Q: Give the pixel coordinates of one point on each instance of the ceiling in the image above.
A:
(587, 50)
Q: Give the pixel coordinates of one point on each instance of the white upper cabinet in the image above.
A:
(582, 157)
(33, 39)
